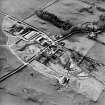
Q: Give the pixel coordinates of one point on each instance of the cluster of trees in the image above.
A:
(53, 19)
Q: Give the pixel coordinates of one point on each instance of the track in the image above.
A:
(43, 7)
(98, 41)
(20, 68)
